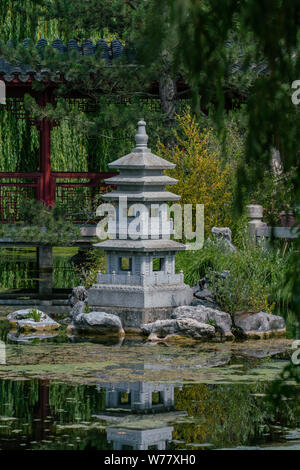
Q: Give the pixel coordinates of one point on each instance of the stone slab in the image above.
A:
(133, 318)
(101, 295)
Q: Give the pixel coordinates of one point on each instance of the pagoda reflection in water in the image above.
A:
(129, 404)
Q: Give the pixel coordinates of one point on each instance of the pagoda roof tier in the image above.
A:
(144, 196)
(141, 180)
(140, 245)
(142, 158)
(141, 175)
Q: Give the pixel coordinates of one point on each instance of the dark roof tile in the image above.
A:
(87, 48)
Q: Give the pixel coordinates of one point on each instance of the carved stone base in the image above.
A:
(133, 318)
(136, 305)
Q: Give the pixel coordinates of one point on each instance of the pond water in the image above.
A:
(66, 392)
(18, 269)
(78, 393)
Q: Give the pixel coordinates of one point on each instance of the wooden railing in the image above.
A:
(77, 193)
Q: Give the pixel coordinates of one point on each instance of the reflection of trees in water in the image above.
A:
(18, 398)
(33, 401)
(37, 399)
(4, 329)
(69, 403)
(22, 274)
(230, 415)
(16, 274)
(224, 415)
(284, 398)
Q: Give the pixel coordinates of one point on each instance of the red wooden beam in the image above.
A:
(88, 175)
(16, 174)
(20, 185)
(81, 185)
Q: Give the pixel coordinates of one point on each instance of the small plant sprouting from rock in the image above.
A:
(87, 309)
(34, 314)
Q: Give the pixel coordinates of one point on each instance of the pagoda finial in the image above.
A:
(141, 137)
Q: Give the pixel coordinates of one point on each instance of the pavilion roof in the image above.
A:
(24, 72)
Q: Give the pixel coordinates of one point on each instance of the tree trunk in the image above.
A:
(167, 94)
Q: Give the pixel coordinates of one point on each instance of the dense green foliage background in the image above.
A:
(237, 56)
(71, 150)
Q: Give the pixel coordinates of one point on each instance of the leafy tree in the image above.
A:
(203, 178)
(203, 30)
(130, 83)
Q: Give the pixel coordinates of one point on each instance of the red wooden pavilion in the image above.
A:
(45, 185)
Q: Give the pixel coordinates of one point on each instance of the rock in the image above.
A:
(22, 315)
(224, 235)
(45, 323)
(65, 321)
(221, 320)
(31, 325)
(79, 293)
(98, 323)
(207, 302)
(164, 330)
(21, 320)
(260, 325)
(78, 308)
(204, 295)
(202, 291)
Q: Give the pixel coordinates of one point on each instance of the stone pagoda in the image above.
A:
(140, 284)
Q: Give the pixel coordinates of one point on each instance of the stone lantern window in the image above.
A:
(158, 264)
(125, 263)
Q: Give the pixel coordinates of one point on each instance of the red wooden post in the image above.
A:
(45, 159)
(53, 190)
(45, 127)
(39, 188)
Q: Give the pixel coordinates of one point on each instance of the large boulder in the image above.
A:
(79, 293)
(205, 302)
(98, 323)
(165, 330)
(220, 320)
(78, 308)
(32, 320)
(260, 325)
(202, 292)
(223, 235)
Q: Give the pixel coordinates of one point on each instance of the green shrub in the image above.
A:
(87, 271)
(87, 309)
(257, 276)
(41, 224)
